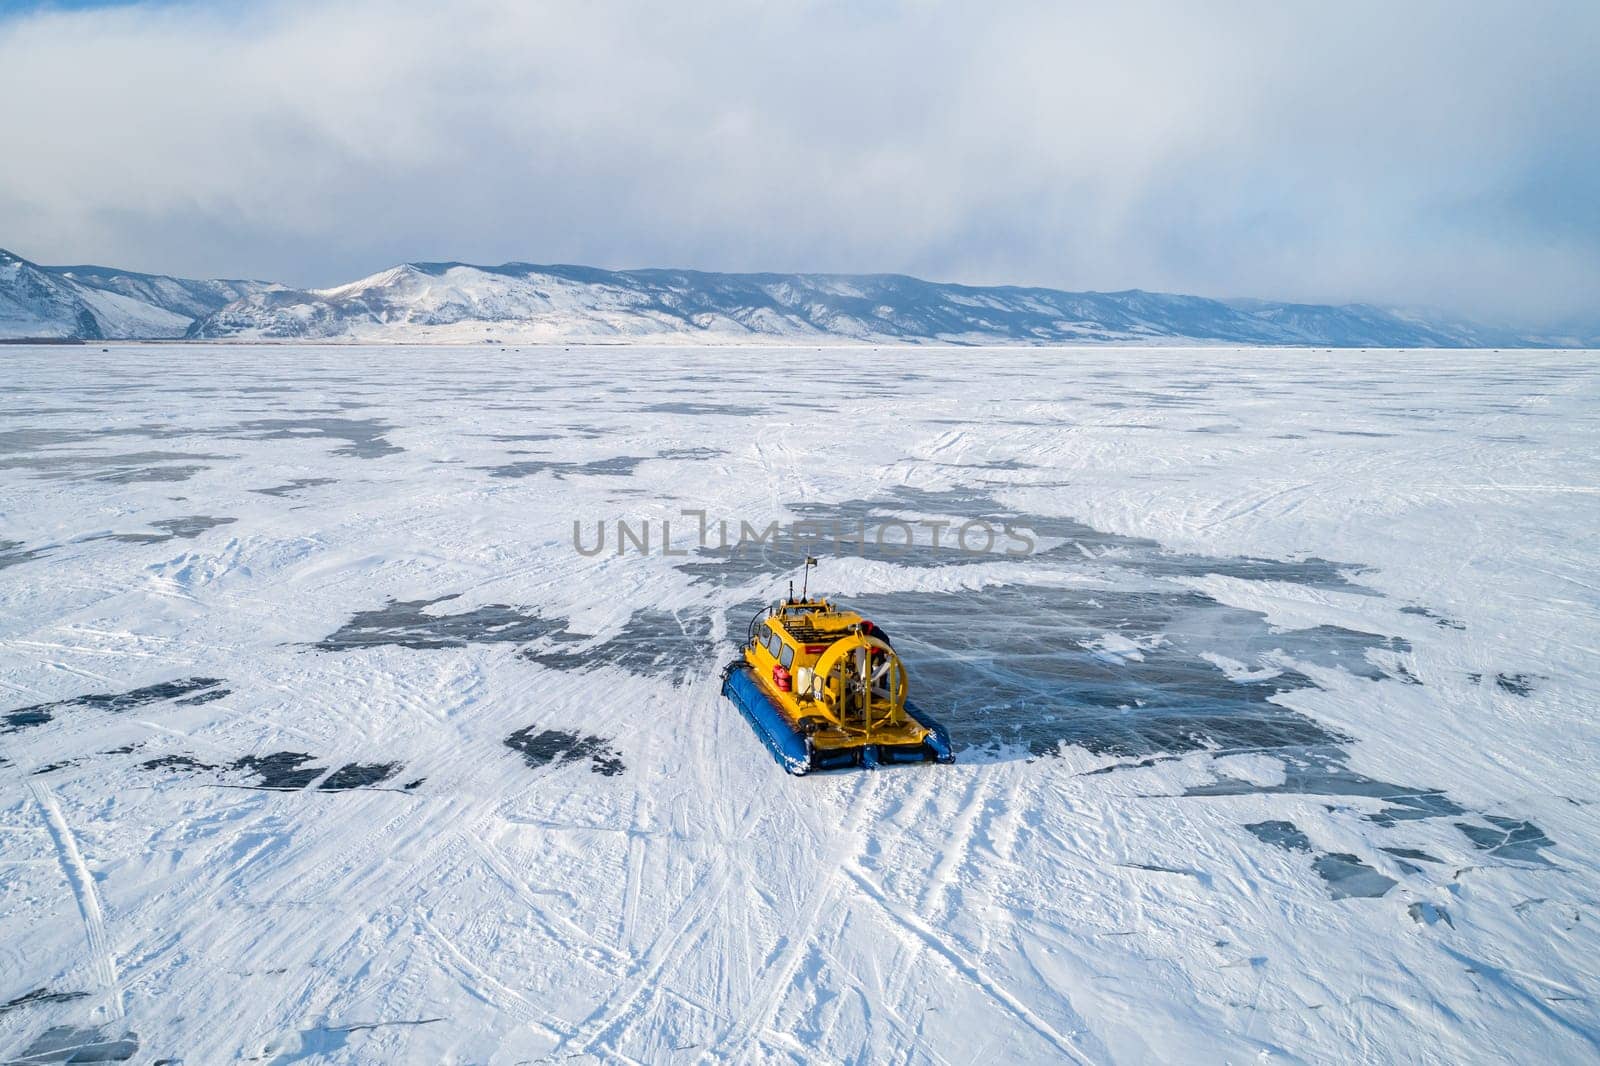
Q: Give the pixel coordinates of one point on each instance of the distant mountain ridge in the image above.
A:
(101, 303)
(525, 303)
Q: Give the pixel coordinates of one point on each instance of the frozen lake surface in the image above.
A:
(322, 740)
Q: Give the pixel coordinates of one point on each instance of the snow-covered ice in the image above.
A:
(321, 740)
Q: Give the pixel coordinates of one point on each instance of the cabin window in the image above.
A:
(786, 656)
(773, 643)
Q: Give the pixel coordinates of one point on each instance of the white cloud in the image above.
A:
(1422, 153)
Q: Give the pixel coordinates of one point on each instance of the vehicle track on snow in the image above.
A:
(683, 930)
(920, 933)
(685, 927)
(81, 881)
(483, 984)
(957, 847)
(776, 979)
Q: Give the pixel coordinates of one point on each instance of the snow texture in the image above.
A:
(332, 747)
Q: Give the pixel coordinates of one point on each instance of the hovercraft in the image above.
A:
(824, 689)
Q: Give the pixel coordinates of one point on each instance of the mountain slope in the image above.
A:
(99, 303)
(190, 297)
(527, 303)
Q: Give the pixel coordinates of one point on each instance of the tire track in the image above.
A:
(971, 972)
(778, 976)
(686, 925)
(958, 846)
(477, 981)
(700, 907)
(529, 898)
(81, 882)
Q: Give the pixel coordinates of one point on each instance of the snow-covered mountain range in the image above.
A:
(100, 303)
(529, 304)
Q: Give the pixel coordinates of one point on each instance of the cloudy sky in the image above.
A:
(1427, 154)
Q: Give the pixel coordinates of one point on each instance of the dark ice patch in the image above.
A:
(837, 530)
(23, 717)
(1508, 838)
(1410, 853)
(1323, 771)
(616, 466)
(1350, 878)
(741, 564)
(192, 687)
(281, 769)
(1024, 665)
(359, 775)
(75, 1044)
(1148, 556)
(287, 771)
(551, 747)
(363, 437)
(1335, 647)
(1036, 666)
(691, 453)
(13, 553)
(187, 527)
(40, 412)
(736, 553)
(1438, 619)
(697, 408)
(1345, 874)
(137, 475)
(32, 438)
(39, 437)
(408, 624)
(1516, 684)
(176, 762)
(1412, 808)
(1285, 835)
(38, 997)
(125, 468)
(652, 643)
(295, 485)
(166, 690)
